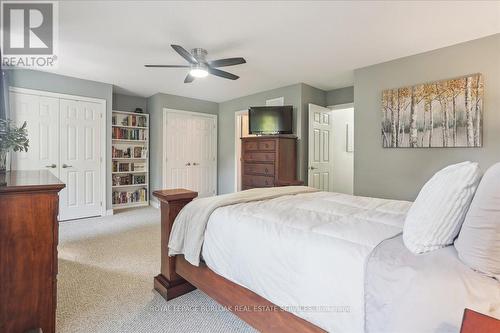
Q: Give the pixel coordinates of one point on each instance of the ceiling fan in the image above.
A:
(200, 67)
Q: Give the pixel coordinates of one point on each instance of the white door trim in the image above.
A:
(237, 148)
(56, 95)
(102, 102)
(166, 111)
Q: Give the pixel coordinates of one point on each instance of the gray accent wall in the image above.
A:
(226, 148)
(340, 96)
(128, 103)
(37, 80)
(400, 173)
(155, 105)
(298, 95)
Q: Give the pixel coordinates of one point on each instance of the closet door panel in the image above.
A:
(203, 159)
(177, 151)
(42, 118)
(80, 159)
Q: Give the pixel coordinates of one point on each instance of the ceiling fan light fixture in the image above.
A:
(199, 67)
(198, 72)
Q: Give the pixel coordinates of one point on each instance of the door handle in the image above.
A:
(52, 166)
(194, 163)
(188, 164)
(66, 166)
(312, 168)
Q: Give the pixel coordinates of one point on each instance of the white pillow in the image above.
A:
(478, 244)
(435, 218)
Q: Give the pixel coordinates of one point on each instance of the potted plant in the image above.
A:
(11, 138)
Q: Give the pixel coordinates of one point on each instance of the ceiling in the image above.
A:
(284, 42)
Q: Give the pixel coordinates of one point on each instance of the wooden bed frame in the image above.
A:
(178, 277)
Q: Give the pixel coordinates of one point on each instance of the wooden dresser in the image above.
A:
(268, 160)
(28, 250)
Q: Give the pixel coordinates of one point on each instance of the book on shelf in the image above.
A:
(129, 152)
(128, 166)
(129, 134)
(129, 179)
(138, 179)
(129, 120)
(138, 166)
(125, 197)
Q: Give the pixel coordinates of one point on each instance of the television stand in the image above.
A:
(269, 160)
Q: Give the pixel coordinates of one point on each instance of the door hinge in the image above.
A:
(101, 203)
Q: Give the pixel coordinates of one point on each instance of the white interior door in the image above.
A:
(203, 155)
(241, 130)
(80, 158)
(191, 152)
(42, 117)
(177, 157)
(320, 148)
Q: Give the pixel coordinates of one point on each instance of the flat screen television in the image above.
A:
(270, 119)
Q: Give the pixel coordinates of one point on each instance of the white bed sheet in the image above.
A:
(423, 293)
(304, 250)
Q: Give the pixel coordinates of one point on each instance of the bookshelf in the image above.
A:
(130, 159)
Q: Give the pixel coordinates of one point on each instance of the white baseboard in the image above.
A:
(153, 202)
(109, 212)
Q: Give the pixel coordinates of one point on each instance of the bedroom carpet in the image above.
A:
(106, 270)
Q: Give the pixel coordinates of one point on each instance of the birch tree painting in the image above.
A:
(439, 114)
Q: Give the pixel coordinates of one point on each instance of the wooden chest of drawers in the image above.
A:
(28, 250)
(265, 160)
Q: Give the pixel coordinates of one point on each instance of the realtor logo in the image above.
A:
(29, 33)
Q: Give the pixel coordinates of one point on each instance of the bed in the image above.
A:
(312, 262)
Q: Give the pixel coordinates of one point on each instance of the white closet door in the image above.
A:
(177, 151)
(203, 156)
(191, 153)
(80, 159)
(42, 117)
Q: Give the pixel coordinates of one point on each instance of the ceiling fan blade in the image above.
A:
(168, 66)
(227, 62)
(185, 54)
(226, 75)
(189, 78)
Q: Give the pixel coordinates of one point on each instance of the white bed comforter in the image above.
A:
(188, 231)
(305, 253)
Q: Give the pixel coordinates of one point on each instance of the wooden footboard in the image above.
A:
(168, 283)
(178, 277)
